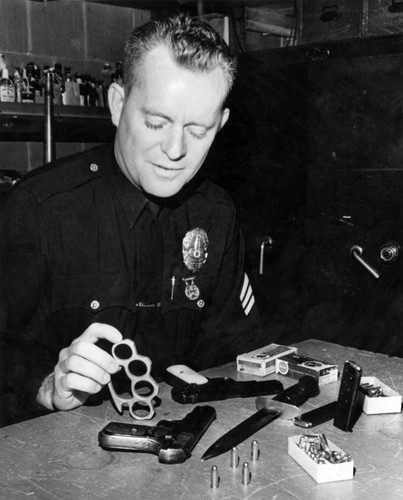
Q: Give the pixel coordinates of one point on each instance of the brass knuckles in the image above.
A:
(143, 386)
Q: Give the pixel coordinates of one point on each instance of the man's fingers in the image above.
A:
(75, 382)
(91, 354)
(97, 331)
(83, 367)
(86, 368)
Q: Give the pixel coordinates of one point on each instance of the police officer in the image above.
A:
(129, 241)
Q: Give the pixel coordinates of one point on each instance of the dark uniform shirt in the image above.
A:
(80, 244)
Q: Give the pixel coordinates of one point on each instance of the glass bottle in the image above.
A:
(7, 89)
(28, 92)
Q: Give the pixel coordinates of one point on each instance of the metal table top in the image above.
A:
(57, 456)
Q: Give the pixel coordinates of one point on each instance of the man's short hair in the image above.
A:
(193, 44)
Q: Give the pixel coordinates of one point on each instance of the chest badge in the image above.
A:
(194, 249)
(192, 291)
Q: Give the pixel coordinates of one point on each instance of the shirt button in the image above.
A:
(95, 304)
(94, 167)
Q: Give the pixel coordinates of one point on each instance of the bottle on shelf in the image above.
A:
(71, 94)
(18, 85)
(81, 87)
(100, 92)
(7, 89)
(106, 82)
(118, 76)
(28, 91)
(3, 64)
(58, 83)
(38, 84)
(93, 98)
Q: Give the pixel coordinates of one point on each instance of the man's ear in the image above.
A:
(224, 118)
(116, 97)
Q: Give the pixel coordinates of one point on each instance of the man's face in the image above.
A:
(166, 125)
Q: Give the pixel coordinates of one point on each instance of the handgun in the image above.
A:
(172, 440)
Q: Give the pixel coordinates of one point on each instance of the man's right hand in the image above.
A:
(83, 369)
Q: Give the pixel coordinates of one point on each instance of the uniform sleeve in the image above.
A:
(22, 271)
(231, 325)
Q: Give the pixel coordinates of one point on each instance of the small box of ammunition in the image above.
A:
(295, 366)
(324, 466)
(375, 397)
(262, 361)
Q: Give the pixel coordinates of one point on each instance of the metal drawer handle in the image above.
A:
(266, 241)
(357, 251)
(330, 13)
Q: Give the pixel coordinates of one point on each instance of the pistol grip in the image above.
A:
(186, 433)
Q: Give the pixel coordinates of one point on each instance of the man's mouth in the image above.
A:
(168, 169)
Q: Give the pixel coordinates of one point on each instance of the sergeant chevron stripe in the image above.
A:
(246, 296)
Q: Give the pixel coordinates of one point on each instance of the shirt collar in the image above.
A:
(131, 198)
(134, 201)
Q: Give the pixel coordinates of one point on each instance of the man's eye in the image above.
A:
(153, 126)
(198, 134)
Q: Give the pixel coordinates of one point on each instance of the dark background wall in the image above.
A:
(312, 156)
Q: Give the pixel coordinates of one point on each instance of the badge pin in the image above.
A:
(194, 249)
(192, 291)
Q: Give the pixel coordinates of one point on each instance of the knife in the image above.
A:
(283, 405)
(192, 387)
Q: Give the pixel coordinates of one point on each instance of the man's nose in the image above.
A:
(174, 144)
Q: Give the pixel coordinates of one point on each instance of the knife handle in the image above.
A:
(217, 389)
(296, 395)
(317, 416)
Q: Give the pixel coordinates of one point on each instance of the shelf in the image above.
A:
(152, 4)
(322, 51)
(26, 122)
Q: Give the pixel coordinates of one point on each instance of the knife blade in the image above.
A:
(241, 432)
(296, 395)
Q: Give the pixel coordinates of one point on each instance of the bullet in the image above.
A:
(214, 477)
(255, 451)
(245, 473)
(234, 457)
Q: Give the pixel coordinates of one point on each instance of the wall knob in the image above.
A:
(389, 252)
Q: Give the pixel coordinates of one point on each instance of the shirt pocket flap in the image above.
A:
(93, 293)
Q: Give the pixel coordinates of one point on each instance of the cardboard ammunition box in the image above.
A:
(390, 403)
(295, 366)
(262, 361)
(322, 473)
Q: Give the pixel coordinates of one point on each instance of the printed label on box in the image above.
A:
(295, 366)
(262, 361)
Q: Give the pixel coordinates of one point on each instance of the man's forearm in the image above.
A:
(46, 392)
